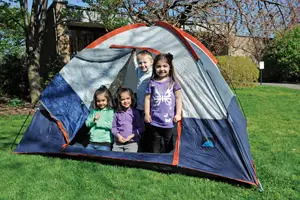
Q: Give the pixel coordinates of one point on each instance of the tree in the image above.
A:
(26, 26)
(282, 57)
(13, 80)
(34, 27)
(259, 18)
(221, 18)
(11, 31)
(111, 13)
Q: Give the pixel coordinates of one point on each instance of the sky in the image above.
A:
(73, 2)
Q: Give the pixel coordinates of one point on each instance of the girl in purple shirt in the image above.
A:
(127, 124)
(163, 104)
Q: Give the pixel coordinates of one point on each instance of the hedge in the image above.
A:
(238, 71)
(13, 77)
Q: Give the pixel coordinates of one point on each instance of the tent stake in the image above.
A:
(259, 187)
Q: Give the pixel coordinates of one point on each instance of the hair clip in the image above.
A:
(169, 56)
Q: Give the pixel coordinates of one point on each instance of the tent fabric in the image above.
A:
(212, 136)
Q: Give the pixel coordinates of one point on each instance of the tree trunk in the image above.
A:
(34, 29)
(34, 77)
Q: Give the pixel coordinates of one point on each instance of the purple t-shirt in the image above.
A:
(162, 102)
(127, 122)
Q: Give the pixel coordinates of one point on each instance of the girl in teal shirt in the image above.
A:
(100, 120)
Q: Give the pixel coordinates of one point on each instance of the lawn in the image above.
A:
(273, 116)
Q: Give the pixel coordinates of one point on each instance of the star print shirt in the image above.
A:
(162, 102)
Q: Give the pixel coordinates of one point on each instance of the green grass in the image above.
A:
(273, 116)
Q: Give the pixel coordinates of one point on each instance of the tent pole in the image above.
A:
(222, 104)
(241, 147)
(234, 89)
(22, 126)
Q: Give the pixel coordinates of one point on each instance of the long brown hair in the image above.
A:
(119, 107)
(102, 89)
(168, 58)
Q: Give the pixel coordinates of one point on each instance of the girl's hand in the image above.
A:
(148, 119)
(129, 137)
(177, 118)
(97, 116)
(121, 139)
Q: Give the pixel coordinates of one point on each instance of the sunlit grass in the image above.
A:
(273, 116)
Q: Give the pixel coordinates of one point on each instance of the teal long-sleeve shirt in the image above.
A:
(100, 129)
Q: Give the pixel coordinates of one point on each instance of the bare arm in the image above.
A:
(178, 100)
(147, 109)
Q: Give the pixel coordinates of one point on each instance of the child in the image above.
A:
(163, 105)
(144, 71)
(127, 123)
(100, 120)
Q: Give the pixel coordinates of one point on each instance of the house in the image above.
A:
(69, 29)
(234, 44)
(251, 47)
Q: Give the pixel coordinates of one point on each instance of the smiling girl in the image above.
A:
(100, 120)
(127, 123)
(163, 104)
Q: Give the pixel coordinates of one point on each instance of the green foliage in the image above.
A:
(13, 76)
(11, 31)
(282, 57)
(238, 71)
(110, 12)
(274, 148)
(53, 68)
(15, 102)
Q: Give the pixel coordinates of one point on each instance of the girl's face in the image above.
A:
(162, 69)
(125, 100)
(101, 101)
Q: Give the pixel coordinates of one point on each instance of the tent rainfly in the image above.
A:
(211, 137)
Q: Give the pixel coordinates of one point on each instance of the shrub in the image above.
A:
(13, 77)
(238, 71)
(15, 102)
(282, 57)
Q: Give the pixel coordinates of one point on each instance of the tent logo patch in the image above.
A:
(208, 142)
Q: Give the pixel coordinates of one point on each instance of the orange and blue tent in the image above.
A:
(212, 136)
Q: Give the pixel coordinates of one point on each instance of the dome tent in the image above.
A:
(211, 137)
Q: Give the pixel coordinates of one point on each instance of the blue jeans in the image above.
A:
(98, 147)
